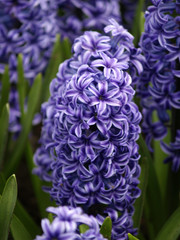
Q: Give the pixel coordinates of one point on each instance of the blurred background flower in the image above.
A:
(158, 86)
(30, 27)
(75, 16)
(65, 225)
(22, 31)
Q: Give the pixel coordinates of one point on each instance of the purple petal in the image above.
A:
(107, 72)
(102, 127)
(102, 107)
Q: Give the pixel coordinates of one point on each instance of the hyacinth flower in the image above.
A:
(74, 17)
(22, 32)
(158, 86)
(65, 225)
(90, 126)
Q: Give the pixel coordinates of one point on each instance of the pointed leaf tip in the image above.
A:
(131, 237)
(7, 205)
(106, 228)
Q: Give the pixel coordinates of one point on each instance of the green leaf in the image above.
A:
(139, 204)
(83, 228)
(7, 204)
(141, 23)
(52, 69)
(18, 230)
(131, 237)
(137, 27)
(33, 99)
(172, 192)
(4, 123)
(27, 220)
(65, 48)
(171, 229)
(106, 228)
(21, 213)
(50, 217)
(153, 201)
(159, 156)
(2, 182)
(5, 89)
(21, 84)
(61, 52)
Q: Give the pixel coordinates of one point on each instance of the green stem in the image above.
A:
(137, 25)
(153, 202)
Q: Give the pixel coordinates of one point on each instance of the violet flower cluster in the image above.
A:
(65, 225)
(73, 17)
(22, 31)
(158, 86)
(90, 126)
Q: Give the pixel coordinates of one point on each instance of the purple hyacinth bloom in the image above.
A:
(90, 128)
(65, 225)
(158, 85)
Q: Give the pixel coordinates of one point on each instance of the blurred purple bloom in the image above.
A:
(65, 225)
(22, 32)
(90, 128)
(75, 16)
(173, 150)
(29, 28)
